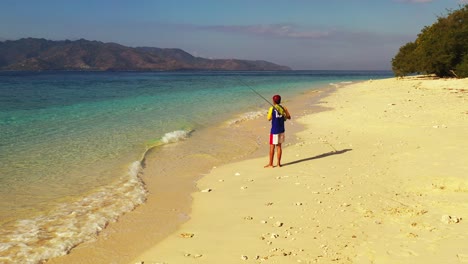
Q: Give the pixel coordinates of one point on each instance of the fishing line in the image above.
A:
(278, 107)
(253, 90)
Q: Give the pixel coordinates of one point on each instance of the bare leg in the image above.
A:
(272, 155)
(279, 151)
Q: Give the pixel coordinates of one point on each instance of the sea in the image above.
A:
(73, 144)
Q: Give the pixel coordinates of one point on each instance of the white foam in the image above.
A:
(175, 136)
(338, 85)
(246, 116)
(54, 234)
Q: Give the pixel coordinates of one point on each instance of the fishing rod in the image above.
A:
(253, 90)
(248, 86)
(278, 107)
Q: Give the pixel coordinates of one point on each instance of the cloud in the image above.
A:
(274, 30)
(416, 1)
(463, 2)
(304, 35)
(294, 32)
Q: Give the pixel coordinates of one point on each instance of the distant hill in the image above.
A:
(31, 54)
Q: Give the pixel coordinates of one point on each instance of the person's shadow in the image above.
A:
(317, 157)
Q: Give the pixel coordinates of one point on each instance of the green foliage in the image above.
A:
(462, 67)
(404, 62)
(440, 49)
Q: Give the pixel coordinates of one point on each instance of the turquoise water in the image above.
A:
(72, 143)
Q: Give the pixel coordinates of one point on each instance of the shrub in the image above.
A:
(439, 49)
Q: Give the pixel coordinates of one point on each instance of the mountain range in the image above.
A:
(33, 54)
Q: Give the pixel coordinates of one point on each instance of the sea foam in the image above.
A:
(246, 116)
(175, 136)
(338, 85)
(57, 232)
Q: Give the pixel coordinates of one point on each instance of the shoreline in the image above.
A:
(394, 190)
(169, 201)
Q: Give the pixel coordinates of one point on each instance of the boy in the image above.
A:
(277, 114)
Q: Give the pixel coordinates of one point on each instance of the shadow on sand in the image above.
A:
(318, 157)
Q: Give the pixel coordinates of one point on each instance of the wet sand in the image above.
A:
(170, 174)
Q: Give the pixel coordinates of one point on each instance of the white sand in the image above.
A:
(395, 191)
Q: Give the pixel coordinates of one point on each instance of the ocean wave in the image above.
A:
(245, 117)
(69, 224)
(337, 85)
(175, 136)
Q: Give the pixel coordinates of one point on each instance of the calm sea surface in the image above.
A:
(71, 143)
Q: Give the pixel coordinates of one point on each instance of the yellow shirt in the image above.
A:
(280, 109)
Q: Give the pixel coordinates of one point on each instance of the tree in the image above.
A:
(439, 49)
(404, 62)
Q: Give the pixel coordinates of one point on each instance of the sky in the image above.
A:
(301, 34)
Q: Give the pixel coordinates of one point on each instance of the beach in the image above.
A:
(102, 178)
(379, 175)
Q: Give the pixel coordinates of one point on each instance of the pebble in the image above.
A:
(244, 257)
(279, 224)
(207, 190)
(447, 219)
(187, 235)
(237, 174)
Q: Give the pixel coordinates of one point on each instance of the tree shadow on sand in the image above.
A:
(318, 157)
